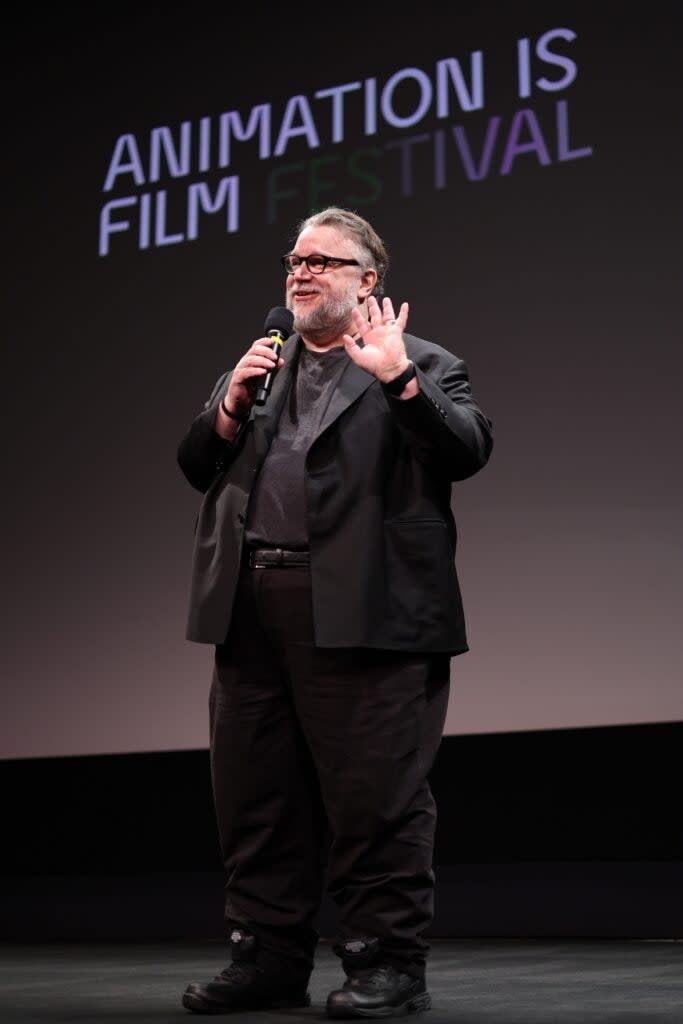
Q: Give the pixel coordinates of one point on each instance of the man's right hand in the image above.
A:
(244, 382)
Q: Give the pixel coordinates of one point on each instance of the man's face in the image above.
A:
(322, 303)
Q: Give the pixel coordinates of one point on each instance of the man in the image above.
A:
(324, 574)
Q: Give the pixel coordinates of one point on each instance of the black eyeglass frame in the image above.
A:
(318, 255)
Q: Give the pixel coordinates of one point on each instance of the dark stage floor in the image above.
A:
(472, 982)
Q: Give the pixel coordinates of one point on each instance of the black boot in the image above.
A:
(251, 981)
(374, 988)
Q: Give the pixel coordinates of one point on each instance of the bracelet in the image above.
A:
(396, 386)
(232, 415)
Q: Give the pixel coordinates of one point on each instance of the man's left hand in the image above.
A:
(383, 352)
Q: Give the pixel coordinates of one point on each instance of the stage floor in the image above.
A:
(472, 982)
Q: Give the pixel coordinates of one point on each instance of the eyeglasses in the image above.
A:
(316, 262)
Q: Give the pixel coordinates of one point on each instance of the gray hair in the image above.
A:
(358, 229)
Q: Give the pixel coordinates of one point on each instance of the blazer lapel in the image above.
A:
(352, 383)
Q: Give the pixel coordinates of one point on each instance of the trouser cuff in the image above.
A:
(273, 949)
(359, 953)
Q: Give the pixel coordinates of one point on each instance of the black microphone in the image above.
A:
(278, 326)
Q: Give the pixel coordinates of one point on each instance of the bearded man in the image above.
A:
(324, 575)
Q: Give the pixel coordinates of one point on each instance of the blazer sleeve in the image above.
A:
(203, 453)
(443, 423)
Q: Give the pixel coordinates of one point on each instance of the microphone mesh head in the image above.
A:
(279, 319)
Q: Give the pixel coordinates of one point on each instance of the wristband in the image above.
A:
(396, 386)
(232, 415)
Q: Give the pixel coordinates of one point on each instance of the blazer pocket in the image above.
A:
(417, 548)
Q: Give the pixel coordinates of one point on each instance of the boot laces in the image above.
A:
(237, 973)
(375, 977)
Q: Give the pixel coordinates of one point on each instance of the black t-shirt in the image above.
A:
(277, 510)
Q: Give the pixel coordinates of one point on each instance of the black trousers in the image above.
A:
(319, 761)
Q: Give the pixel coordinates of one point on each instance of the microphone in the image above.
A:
(278, 326)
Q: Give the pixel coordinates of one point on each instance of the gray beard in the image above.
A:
(331, 318)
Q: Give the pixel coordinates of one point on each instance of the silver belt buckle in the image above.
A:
(253, 561)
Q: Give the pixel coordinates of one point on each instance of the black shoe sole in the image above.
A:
(417, 1004)
(200, 1004)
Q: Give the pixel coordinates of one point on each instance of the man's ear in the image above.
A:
(367, 282)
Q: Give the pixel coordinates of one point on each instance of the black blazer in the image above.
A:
(378, 486)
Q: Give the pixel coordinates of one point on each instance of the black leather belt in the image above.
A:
(273, 558)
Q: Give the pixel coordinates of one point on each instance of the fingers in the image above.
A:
(374, 311)
(385, 316)
(261, 348)
(388, 315)
(352, 347)
(402, 318)
(359, 322)
(256, 368)
(257, 360)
